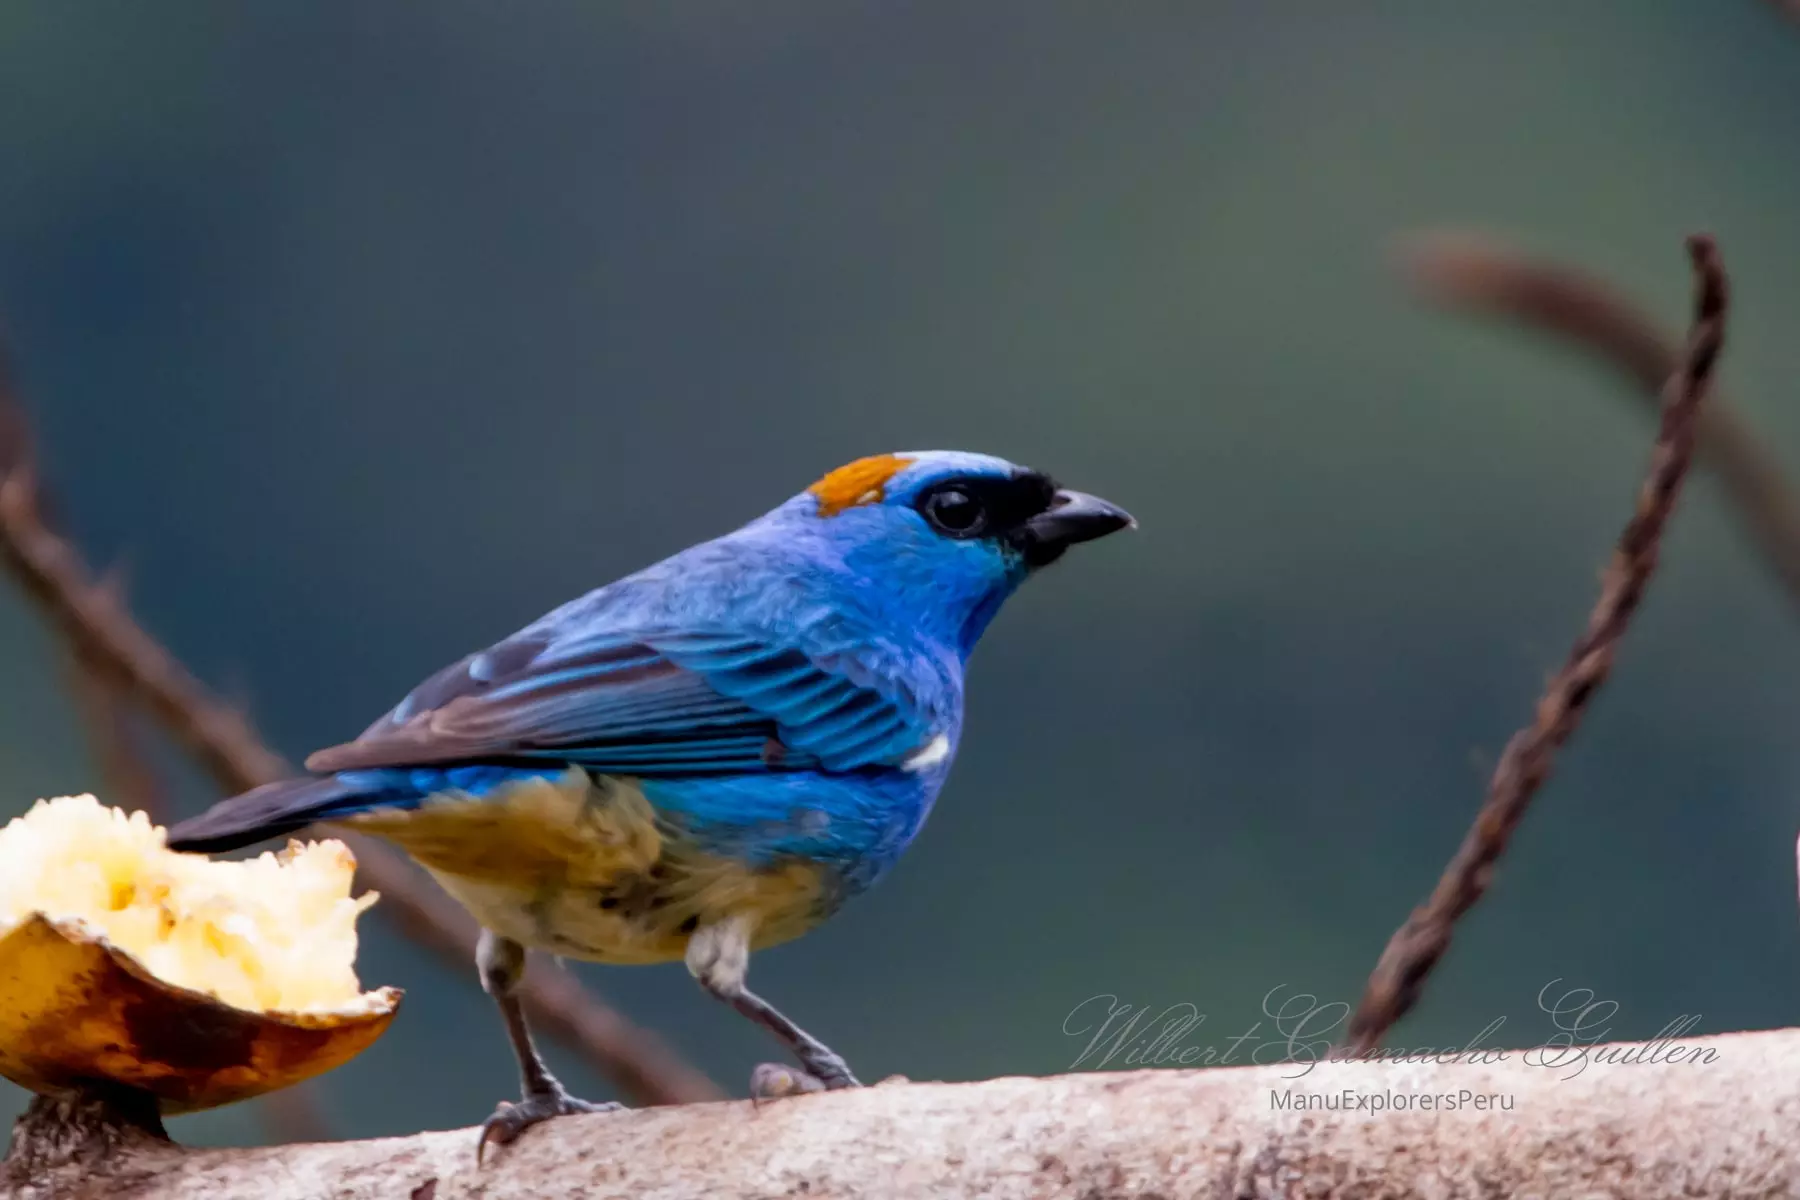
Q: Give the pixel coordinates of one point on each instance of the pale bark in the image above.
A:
(1644, 1130)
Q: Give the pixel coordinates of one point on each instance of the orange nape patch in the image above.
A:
(860, 482)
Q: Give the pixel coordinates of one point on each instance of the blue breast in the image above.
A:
(857, 825)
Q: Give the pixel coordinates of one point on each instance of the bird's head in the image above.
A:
(945, 536)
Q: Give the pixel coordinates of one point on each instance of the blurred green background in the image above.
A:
(362, 334)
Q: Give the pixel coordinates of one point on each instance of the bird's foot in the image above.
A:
(822, 1073)
(777, 1081)
(510, 1120)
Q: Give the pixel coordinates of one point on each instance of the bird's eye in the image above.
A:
(955, 512)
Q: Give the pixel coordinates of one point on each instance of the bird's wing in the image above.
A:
(658, 703)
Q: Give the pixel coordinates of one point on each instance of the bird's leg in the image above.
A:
(718, 956)
(502, 965)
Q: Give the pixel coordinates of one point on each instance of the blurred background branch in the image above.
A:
(1417, 946)
(111, 722)
(118, 659)
(112, 732)
(1472, 273)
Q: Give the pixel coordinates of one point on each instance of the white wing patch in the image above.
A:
(929, 755)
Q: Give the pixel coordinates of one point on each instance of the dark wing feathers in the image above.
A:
(674, 704)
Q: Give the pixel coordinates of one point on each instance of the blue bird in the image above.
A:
(704, 758)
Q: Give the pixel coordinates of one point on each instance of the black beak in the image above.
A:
(1072, 517)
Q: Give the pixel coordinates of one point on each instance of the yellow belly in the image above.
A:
(587, 870)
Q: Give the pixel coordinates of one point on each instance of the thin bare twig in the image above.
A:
(99, 629)
(1477, 274)
(1395, 984)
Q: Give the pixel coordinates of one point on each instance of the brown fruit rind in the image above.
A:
(75, 1009)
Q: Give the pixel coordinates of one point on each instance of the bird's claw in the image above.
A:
(777, 1081)
(510, 1120)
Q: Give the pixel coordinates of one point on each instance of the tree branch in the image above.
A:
(1418, 945)
(106, 715)
(102, 633)
(1479, 275)
(1711, 1117)
(115, 738)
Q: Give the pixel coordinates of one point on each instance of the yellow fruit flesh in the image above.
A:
(276, 933)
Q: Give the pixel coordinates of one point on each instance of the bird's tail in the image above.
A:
(266, 812)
